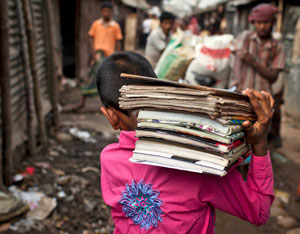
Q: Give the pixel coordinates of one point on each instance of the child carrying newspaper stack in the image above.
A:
(150, 199)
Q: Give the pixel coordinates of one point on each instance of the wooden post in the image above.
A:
(5, 161)
(279, 16)
(52, 63)
(32, 54)
(29, 94)
(130, 32)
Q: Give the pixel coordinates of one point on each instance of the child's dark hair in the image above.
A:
(166, 16)
(106, 4)
(108, 75)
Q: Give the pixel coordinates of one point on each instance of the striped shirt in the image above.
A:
(270, 54)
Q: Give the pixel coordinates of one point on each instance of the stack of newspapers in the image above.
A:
(186, 127)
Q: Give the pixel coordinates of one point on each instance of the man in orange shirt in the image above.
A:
(105, 34)
(105, 38)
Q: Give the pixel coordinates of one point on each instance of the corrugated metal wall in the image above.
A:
(38, 11)
(17, 74)
(20, 65)
(27, 50)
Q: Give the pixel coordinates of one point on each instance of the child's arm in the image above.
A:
(249, 200)
(256, 134)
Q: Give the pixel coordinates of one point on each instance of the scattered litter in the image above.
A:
(63, 180)
(47, 189)
(277, 202)
(69, 198)
(286, 222)
(82, 135)
(294, 231)
(283, 196)
(10, 207)
(57, 150)
(277, 211)
(88, 153)
(72, 179)
(29, 170)
(61, 194)
(31, 198)
(89, 206)
(61, 149)
(93, 169)
(45, 206)
(279, 157)
(107, 135)
(69, 82)
(25, 225)
(63, 137)
(4, 227)
(45, 165)
(18, 177)
(53, 153)
(58, 172)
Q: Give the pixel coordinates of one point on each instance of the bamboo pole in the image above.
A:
(29, 94)
(279, 16)
(52, 63)
(36, 87)
(6, 157)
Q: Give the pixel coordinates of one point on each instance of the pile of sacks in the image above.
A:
(197, 60)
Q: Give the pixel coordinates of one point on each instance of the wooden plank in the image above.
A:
(6, 165)
(130, 32)
(279, 16)
(30, 33)
(52, 63)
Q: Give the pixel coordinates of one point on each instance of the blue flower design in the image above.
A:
(141, 204)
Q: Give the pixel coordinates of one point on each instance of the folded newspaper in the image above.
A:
(187, 127)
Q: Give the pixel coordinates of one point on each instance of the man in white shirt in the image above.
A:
(159, 38)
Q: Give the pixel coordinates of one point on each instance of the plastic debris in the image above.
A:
(286, 222)
(45, 206)
(64, 137)
(69, 82)
(4, 227)
(10, 207)
(45, 165)
(58, 171)
(31, 198)
(279, 158)
(82, 135)
(24, 225)
(282, 196)
(29, 170)
(61, 194)
(294, 231)
(93, 169)
(18, 177)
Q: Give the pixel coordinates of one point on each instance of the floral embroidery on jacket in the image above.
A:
(141, 204)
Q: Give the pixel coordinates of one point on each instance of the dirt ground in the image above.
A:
(81, 209)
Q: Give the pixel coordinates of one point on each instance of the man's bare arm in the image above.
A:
(92, 46)
(268, 74)
(118, 46)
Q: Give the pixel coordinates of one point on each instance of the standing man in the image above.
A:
(105, 38)
(159, 38)
(105, 34)
(259, 58)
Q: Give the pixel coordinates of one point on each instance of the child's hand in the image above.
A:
(256, 134)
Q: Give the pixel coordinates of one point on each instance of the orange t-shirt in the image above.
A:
(105, 35)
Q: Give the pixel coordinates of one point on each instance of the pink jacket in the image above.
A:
(148, 199)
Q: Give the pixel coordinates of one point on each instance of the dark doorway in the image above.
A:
(67, 21)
